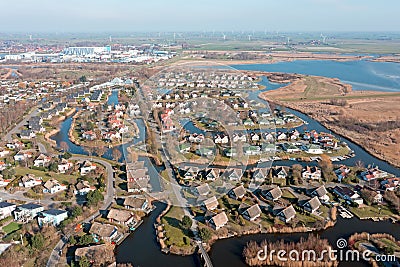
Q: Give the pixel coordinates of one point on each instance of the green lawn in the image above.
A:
(45, 175)
(175, 235)
(11, 227)
(371, 211)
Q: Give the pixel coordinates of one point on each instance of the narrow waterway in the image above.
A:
(141, 248)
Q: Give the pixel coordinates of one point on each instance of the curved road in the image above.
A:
(55, 256)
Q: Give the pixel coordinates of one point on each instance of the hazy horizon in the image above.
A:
(187, 16)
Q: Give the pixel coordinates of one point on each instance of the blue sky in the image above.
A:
(200, 15)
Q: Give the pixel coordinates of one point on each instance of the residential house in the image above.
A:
(27, 134)
(6, 209)
(87, 167)
(4, 182)
(250, 213)
(83, 187)
(314, 149)
(312, 205)
(138, 186)
(202, 190)
(136, 203)
(373, 173)
(52, 186)
(321, 193)
(103, 231)
(260, 174)
(52, 217)
(348, 194)
(272, 194)
(218, 221)
(89, 135)
(211, 174)
(23, 155)
(27, 212)
(42, 161)
(342, 172)
(123, 217)
(390, 184)
(90, 252)
(210, 203)
(311, 173)
(237, 193)
(64, 165)
(233, 174)
(279, 172)
(30, 180)
(287, 214)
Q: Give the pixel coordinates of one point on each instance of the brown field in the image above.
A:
(370, 119)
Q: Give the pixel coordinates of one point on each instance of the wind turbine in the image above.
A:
(224, 36)
(323, 38)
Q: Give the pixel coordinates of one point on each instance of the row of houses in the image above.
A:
(27, 212)
(259, 175)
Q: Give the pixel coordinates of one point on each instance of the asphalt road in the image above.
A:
(55, 256)
(17, 128)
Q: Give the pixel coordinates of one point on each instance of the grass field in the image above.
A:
(175, 235)
(45, 175)
(12, 227)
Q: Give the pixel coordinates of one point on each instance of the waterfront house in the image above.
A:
(237, 193)
(279, 172)
(260, 174)
(311, 173)
(52, 217)
(250, 213)
(348, 194)
(287, 214)
(373, 173)
(390, 184)
(104, 231)
(233, 174)
(312, 205)
(138, 186)
(136, 203)
(90, 252)
(314, 149)
(211, 174)
(52, 186)
(27, 212)
(273, 194)
(89, 135)
(123, 217)
(210, 203)
(6, 209)
(42, 161)
(218, 221)
(342, 172)
(83, 187)
(321, 193)
(30, 180)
